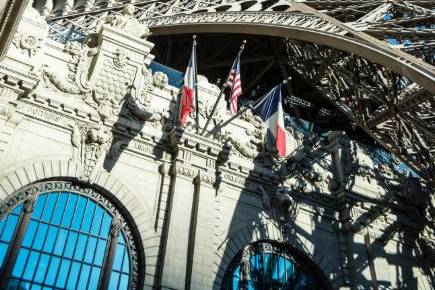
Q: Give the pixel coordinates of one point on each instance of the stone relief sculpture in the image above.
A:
(76, 82)
(29, 39)
(127, 22)
(160, 79)
(138, 98)
(89, 142)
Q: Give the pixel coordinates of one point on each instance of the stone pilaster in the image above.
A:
(344, 227)
(189, 227)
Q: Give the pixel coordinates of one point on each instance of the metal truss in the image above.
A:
(371, 58)
(396, 112)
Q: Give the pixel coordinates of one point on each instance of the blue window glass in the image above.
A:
(65, 245)
(270, 269)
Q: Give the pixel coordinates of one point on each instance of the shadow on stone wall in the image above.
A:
(409, 203)
(279, 211)
(127, 127)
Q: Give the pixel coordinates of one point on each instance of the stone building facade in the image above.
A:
(92, 118)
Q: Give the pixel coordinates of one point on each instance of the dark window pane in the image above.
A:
(270, 270)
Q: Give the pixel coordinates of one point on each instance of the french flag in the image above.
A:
(271, 112)
(188, 90)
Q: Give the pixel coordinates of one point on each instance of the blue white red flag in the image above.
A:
(188, 90)
(235, 84)
(271, 112)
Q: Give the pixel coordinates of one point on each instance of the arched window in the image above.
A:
(266, 266)
(56, 235)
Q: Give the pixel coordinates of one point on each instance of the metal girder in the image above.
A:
(383, 89)
(386, 105)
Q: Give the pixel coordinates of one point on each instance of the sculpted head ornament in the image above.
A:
(127, 22)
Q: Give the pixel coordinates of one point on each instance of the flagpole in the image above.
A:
(196, 86)
(252, 106)
(220, 94)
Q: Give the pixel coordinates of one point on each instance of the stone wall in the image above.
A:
(95, 113)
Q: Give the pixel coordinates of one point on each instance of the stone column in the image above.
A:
(188, 235)
(176, 245)
(202, 275)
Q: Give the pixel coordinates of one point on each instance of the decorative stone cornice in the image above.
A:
(204, 178)
(181, 139)
(185, 171)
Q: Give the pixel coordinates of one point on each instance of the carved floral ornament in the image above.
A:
(26, 41)
(31, 32)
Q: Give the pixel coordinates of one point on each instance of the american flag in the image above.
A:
(234, 84)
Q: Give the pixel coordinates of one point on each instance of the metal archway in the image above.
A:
(362, 71)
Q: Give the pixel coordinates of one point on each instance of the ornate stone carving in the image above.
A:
(249, 116)
(77, 80)
(280, 204)
(186, 171)
(120, 59)
(160, 79)
(138, 99)
(103, 79)
(127, 22)
(31, 33)
(76, 141)
(245, 264)
(28, 42)
(89, 143)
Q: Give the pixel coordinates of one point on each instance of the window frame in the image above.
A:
(121, 224)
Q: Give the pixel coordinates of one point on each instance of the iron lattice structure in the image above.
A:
(373, 59)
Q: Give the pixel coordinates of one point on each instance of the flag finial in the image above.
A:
(243, 45)
(194, 39)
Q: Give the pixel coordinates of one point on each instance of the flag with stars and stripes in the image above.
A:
(234, 84)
